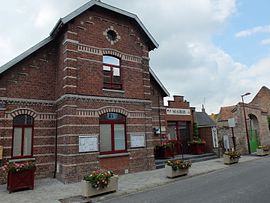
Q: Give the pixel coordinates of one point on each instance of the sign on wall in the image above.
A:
(215, 137)
(179, 112)
(88, 143)
(137, 140)
(226, 142)
(231, 122)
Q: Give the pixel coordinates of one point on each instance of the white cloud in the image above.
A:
(187, 61)
(252, 31)
(265, 41)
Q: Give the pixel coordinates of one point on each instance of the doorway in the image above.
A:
(180, 132)
(253, 133)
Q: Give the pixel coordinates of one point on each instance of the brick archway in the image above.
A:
(24, 111)
(114, 110)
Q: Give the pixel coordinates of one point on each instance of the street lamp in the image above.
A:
(245, 120)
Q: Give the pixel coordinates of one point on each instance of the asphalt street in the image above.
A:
(247, 182)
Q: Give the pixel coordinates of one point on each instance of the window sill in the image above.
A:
(21, 159)
(112, 90)
(103, 156)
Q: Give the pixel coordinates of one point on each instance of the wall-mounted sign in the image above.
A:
(179, 112)
(88, 143)
(231, 122)
(214, 137)
(137, 140)
(226, 142)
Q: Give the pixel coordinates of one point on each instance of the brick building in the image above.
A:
(84, 98)
(257, 113)
(180, 119)
(206, 129)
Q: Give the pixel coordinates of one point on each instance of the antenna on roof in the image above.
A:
(203, 109)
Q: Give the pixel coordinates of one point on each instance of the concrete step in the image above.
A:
(160, 163)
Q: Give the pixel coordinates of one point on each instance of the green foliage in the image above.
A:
(165, 145)
(179, 164)
(99, 179)
(263, 147)
(195, 130)
(18, 167)
(233, 154)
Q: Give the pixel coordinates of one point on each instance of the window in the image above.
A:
(112, 73)
(112, 133)
(22, 139)
(111, 35)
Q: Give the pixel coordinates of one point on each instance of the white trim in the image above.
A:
(112, 90)
(80, 154)
(70, 32)
(44, 128)
(70, 125)
(6, 128)
(90, 60)
(41, 155)
(70, 50)
(70, 41)
(67, 145)
(69, 67)
(49, 145)
(69, 77)
(26, 100)
(72, 106)
(80, 164)
(102, 98)
(44, 164)
(69, 86)
(69, 59)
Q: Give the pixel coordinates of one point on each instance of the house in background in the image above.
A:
(257, 113)
(207, 129)
(179, 119)
(84, 98)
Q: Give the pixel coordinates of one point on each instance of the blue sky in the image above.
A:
(249, 14)
(210, 51)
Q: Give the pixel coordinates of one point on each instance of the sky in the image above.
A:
(210, 51)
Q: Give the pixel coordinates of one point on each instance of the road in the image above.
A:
(247, 182)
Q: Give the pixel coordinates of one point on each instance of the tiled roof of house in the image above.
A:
(225, 113)
(204, 120)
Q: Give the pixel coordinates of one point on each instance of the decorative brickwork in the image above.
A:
(60, 84)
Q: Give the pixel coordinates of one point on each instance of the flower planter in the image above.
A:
(89, 191)
(20, 180)
(262, 152)
(170, 173)
(229, 160)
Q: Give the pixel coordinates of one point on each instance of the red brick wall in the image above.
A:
(206, 134)
(72, 64)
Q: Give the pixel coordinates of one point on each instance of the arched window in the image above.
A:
(22, 139)
(112, 133)
(112, 72)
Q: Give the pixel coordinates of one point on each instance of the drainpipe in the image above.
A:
(55, 147)
(159, 120)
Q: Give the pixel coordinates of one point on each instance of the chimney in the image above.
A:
(203, 109)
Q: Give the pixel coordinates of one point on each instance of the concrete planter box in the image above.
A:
(228, 160)
(170, 173)
(261, 152)
(89, 191)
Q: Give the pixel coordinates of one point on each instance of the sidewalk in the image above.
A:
(50, 190)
